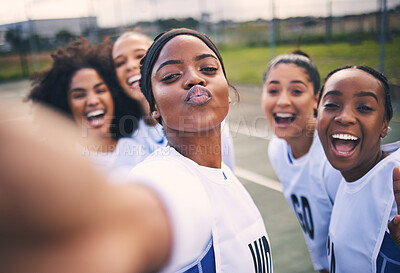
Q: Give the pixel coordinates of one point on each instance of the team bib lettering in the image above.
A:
(303, 213)
(261, 253)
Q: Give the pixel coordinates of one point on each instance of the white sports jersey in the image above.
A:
(153, 137)
(359, 240)
(209, 209)
(127, 154)
(309, 186)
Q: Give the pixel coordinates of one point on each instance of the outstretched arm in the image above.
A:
(394, 225)
(58, 215)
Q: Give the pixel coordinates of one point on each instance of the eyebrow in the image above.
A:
(197, 58)
(333, 92)
(79, 89)
(203, 56)
(292, 82)
(367, 94)
(359, 94)
(167, 63)
(136, 50)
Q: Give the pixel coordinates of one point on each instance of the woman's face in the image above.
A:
(91, 102)
(189, 86)
(127, 53)
(288, 101)
(351, 120)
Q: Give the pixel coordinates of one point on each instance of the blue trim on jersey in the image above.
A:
(289, 158)
(388, 259)
(205, 263)
(225, 176)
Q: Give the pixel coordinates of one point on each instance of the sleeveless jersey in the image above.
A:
(212, 215)
(127, 154)
(153, 137)
(359, 239)
(309, 186)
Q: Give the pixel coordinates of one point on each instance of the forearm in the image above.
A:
(45, 184)
(57, 213)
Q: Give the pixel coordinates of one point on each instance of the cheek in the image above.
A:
(267, 104)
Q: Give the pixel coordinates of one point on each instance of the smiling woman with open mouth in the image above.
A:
(353, 115)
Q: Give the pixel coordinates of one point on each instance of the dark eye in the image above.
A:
(331, 106)
(272, 91)
(119, 63)
(102, 90)
(170, 78)
(297, 92)
(365, 108)
(140, 56)
(209, 69)
(78, 95)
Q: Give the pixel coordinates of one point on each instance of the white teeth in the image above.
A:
(284, 115)
(133, 79)
(345, 137)
(95, 113)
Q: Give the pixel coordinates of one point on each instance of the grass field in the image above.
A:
(247, 64)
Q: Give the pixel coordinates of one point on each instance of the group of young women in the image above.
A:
(340, 182)
(181, 209)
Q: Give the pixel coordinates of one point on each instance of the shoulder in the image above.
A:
(276, 146)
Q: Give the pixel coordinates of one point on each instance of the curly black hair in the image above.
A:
(50, 86)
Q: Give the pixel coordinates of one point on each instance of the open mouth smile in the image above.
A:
(96, 118)
(344, 145)
(284, 119)
(133, 81)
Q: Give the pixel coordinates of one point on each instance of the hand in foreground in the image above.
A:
(394, 225)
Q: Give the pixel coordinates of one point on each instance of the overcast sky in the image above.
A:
(123, 12)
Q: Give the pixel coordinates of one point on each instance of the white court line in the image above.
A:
(258, 179)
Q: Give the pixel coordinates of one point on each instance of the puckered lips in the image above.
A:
(95, 118)
(133, 81)
(284, 120)
(344, 144)
(198, 95)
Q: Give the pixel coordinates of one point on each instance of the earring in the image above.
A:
(384, 132)
(155, 114)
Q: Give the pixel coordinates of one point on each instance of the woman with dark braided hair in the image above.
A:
(79, 85)
(353, 115)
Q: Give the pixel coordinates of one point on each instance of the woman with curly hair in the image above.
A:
(79, 85)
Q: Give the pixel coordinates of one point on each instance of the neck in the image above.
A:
(204, 148)
(300, 145)
(359, 171)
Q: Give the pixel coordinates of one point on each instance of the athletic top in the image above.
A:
(309, 186)
(127, 154)
(213, 217)
(152, 137)
(359, 238)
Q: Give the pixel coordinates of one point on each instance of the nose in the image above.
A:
(193, 78)
(133, 64)
(92, 99)
(345, 117)
(284, 98)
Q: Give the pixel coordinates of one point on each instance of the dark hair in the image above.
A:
(300, 59)
(378, 75)
(147, 63)
(51, 86)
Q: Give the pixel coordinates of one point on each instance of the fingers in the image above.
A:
(396, 187)
(394, 228)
